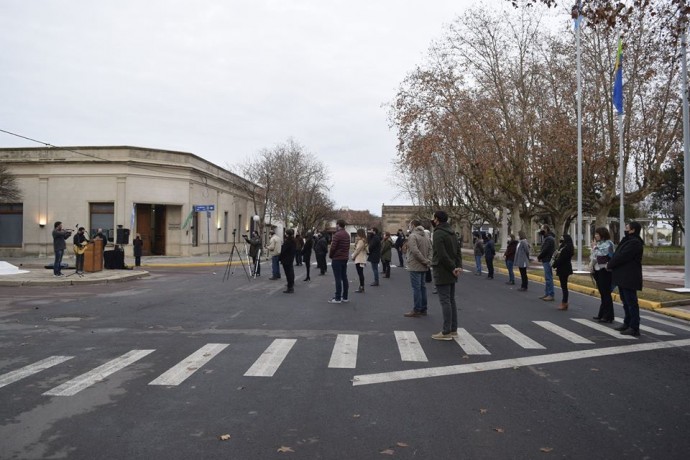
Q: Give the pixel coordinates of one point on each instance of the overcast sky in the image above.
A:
(220, 79)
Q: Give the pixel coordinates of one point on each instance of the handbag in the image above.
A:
(555, 257)
(603, 260)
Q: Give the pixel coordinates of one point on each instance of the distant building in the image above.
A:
(180, 203)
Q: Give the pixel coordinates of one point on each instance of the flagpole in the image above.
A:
(579, 141)
(686, 148)
(621, 169)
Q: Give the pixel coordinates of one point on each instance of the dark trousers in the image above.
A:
(490, 266)
(289, 270)
(256, 266)
(321, 263)
(307, 263)
(603, 279)
(80, 262)
(137, 261)
(523, 277)
(446, 296)
(631, 307)
(340, 274)
(57, 265)
(386, 268)
(360, 274)
(564, 286)
(400, 257)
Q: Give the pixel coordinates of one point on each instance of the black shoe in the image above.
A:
(360, 289)
(289, 291)
(374, 284)
(522, 289)
(621, 328)
(602, 320)
(306, 279)
(596, 318)
(631, 331)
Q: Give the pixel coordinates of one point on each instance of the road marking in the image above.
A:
(271, 359)
(74, 386)
(605, 329)
(344, 355)
(561, 332)
(469, 344)
(398, 376)
(409, 346)
(649, 329)
(180, 372)
(32, 369)
(518, 337)
(666, 322)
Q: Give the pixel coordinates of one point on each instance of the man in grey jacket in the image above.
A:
(418, 263)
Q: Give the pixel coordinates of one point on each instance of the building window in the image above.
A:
(11, 225)
(102, 215)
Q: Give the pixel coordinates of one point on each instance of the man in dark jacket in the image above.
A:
(287, 258)
(254, 252)
(339, 254)
(321, 251)
(446, 263)
(626, 265)
(399, 241)
(374, 244)
(548, 247)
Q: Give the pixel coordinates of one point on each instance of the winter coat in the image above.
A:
(489, 250)
(137, 244)
(359, 256)
(254, 245)
(321, 246)
(626, 263)
(274, 244)
(522, 254)
(340, 246)
(419, 251)
(548, 247)
(601, 249)
(386, 250)
(446, 255)
(287, 251)
(374, 249)
(563, 264)
(478, 247)
(59, 237)
(306, 249)
(509, 255)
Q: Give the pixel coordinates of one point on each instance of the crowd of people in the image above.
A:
(430, 251)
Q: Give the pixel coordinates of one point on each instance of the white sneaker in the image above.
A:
(334, 300)
(345, 300)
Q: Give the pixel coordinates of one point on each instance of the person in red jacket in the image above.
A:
(339, 254)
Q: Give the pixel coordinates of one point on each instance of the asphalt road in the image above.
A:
(162, 367)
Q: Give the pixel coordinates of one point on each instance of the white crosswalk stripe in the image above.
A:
(562, 332)
(649, 329)
(271, 359)
(666, 322)
(344, 355)
(469, 344)
(32, 369)
(180, 372)
(605, 329)
(77, 384)
(409, 347)
(518, 337)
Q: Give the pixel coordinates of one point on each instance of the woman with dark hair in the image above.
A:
(602, 251)
(564, 267)
(626, 265)
(359, 256)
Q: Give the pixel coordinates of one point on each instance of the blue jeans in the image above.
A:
(446, 295)
(418, 282)
(511, 273)
(631, 308)
(548, 279)
(478, 262)
(57, 265)
(275, 266)
(375, 269)
(340, 274)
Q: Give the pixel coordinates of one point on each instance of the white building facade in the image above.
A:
(179, 203)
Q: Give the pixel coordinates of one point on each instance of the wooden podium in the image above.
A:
(93, 256)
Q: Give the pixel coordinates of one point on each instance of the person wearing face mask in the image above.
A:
(446, 263)
(548, 247)
(564, 267)
(626, 267)
(602, 250)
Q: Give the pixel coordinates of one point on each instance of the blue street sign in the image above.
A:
(204, 207)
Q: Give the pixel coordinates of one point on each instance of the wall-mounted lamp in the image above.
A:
(42, 222)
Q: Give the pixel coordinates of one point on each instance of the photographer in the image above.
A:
(254, 250)
(59, 245)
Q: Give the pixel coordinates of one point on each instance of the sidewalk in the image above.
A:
(33, 273)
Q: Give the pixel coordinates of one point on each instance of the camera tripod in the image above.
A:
(230, 268)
